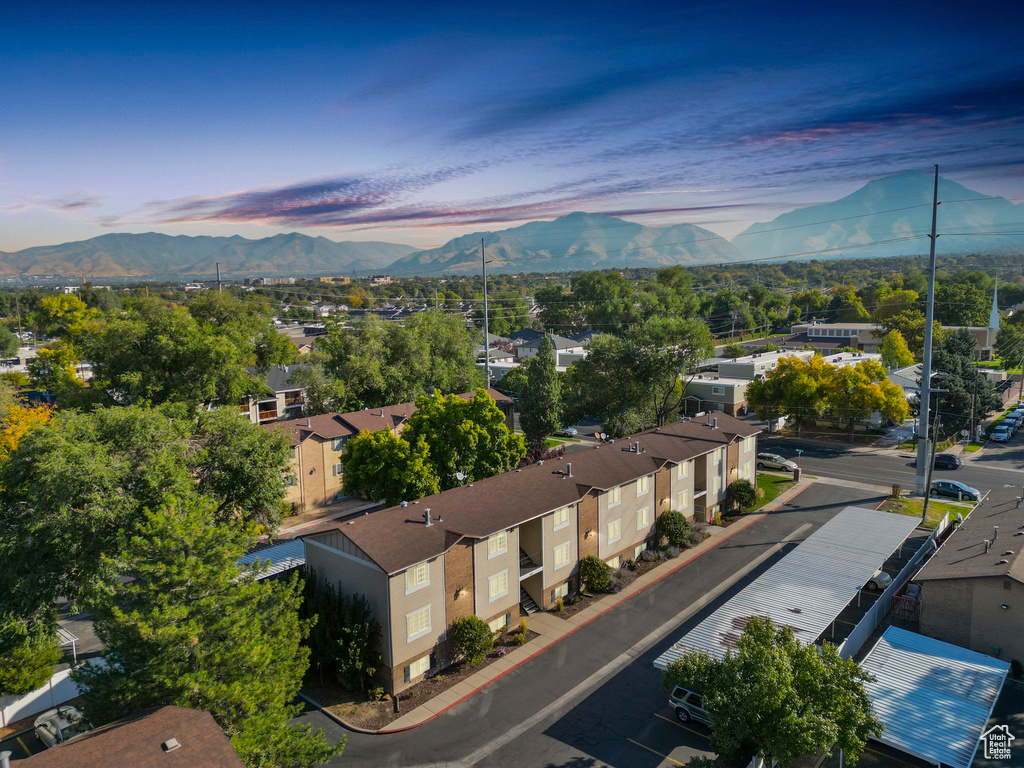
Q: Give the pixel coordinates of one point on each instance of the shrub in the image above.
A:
(594, 573)
(376, 693)
(650, 556)
(559, 605)
(519, 638)
(472, 638)
(522, 626)
(631, 565)
(742, 495)
(619, 579)
(674, 527)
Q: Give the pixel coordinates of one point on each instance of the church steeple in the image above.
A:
(993, 318)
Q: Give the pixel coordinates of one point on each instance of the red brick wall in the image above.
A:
(587, 521)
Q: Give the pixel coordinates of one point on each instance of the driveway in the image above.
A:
(595, 698)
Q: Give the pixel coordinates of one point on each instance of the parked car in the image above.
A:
(58, 725)
(955, 489)
(880, 580)
(948, 461)
(566, 432)
(688, 705)
(1013, 420)
(774, 461)
(1001, 434)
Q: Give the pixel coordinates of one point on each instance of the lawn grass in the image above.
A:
(772, 485)
(936, 509)
(972, 447)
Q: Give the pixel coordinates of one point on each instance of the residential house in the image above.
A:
(284, 398)
(709, 392)
(316, 474)
(513, 542)
(759, 364)
(972, 589)
(166, 736)
(859, 336)
(567, 351)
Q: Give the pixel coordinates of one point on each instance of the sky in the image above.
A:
(418, 122)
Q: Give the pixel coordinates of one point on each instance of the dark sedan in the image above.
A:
(948, 461)
(955, 490)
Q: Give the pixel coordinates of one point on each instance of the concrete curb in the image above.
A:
(731, 531)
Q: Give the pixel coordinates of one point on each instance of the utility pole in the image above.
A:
(487, 347)
(220, 287)
(931, 464)
(923, 471)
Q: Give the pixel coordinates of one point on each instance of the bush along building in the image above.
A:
(512, 544)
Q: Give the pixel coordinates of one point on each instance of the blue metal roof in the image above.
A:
(934, 698)
(277, 558)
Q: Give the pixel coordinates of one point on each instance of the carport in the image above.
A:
(809, 587)
(934, 698)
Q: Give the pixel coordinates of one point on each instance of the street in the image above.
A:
(595, 698)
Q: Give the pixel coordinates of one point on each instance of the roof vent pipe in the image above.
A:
(568, 469)
(995, 532)
(5, 759)
(308, 422)
(382, 413)
(987, 545)
(714, 423)
(426, 517)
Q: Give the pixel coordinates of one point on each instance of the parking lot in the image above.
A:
(22, 744)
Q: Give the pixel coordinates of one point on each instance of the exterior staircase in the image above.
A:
(526, 602)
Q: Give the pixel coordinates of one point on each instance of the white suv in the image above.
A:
(688, 705)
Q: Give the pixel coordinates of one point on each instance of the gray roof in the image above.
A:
(278, 557)
(584, 336)
(809, 587)
(934, 698)
(278, 378)
(963, 555)
(558, 342)
(526, 334)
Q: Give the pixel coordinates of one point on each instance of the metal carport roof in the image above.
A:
(934, 698)
(809, 587)
(278, 558)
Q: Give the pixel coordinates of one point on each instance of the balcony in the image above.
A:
(294, 400)
(530, 564)
(269, 414)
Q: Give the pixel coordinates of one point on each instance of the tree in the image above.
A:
(732, 349)
(894, 303)
(65, 315)
(674, 527)
(53, 369)
(379, 465)
(513, 382)
(594, 574)
(910, 324)
(540, 400)
(854, 392)
(9, 343)
(467, 436)
(73, 485)
(895, 352)
(17, 419)
(193, 630)
(1009, 346)
(846, 307)
(742, 494)
(961, 304)
(29, 652)
(323, 393)
(779, 698)
(795, 388)
(472, 638)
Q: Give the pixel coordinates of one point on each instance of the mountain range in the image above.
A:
(879, 219)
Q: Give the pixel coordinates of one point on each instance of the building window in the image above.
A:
(561, 591)
(290, 481)
(417, 624)
(614, 531)
(717, 457)
(497, 544)
(643, 485)
(417, 668)
(614, 496)
(615, 562)
(682, 500)
(639, 549)
(718, 390)
(338, 444)
(497, 585)
(417, 577)
(683, 470)
(748, 470)
(643, 518)
(499, 623)
(716, 485)
(339, 469)
(561, 518)
(562, 555)
(748, 444)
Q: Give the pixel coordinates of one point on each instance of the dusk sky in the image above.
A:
(417, 123)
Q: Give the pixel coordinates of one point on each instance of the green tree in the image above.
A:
(961, 304)
(846, 307)
(742, 494)
(1009, 347)
(9, 343)
(674, 527)
(514, 382)
(64, 315)
(894, 303)
(797, 389)
(895, 352)
(594, 574)
(379, 465)
(854, 392)
(29, 652)
(732, 349)
(540, 400)
(778, 697)
(467, 436)
(323, 392)
(194, 630)
(472, 638)
(53, 369)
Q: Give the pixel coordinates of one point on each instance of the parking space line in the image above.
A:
(665, 757)
(24, 746)
(684, 727)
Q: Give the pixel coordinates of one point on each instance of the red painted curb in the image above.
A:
(735, 529)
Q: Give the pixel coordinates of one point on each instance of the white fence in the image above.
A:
(61, 688)
(874, 615)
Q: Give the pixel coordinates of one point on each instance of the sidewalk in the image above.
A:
(553, 629)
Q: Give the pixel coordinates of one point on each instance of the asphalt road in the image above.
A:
(564, 709)
(998, 464)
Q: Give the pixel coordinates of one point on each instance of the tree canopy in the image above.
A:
(540, 398)
(380, 466)
(895, 352)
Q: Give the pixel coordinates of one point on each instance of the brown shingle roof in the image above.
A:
(397, 538)
(963, 554)
(135, 742)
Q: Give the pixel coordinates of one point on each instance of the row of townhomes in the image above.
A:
(316, 473)
(513, 542)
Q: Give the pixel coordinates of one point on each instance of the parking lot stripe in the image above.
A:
(24, 746)
(684, 727)
(666, 757)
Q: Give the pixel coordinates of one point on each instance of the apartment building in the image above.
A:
(759, 364)
(284, 399)
(709, 392)
(513, 542)
(316, 474)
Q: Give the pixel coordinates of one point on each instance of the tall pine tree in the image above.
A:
(193, 630)
(540, 400)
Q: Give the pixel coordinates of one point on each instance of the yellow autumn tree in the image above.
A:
(16, 420)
